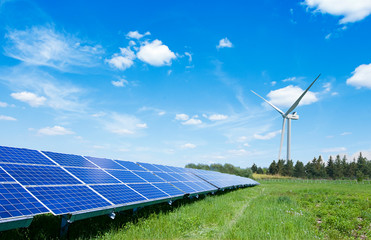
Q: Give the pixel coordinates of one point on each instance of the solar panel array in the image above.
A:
(36, 182)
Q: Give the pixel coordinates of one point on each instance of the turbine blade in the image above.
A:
(296, 103)
(282, 135)
(278, 110)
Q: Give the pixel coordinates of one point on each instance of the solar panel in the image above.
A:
(15, 201)
(126, 176)
(150, 167)
(39, 175)
(178, 177)
(163, 168)
(92, 176)
(166, 177)
(169, 189)
(149, 177)
(149, 191)
(130, 165)
(68, 199)
(69, 160)
(185, 188)
(119, 194)
(4, 177)
(105, 163)
(22, 155)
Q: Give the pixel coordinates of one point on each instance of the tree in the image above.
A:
(288, 168)
(260, 170)
(330, 168)
(338, 168)
(299, 170)
(280, 165)
(254, 168)
(273, 168)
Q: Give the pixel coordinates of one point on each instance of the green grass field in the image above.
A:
(273, 210)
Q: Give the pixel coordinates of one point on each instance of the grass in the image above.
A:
(257, 176)
(273, 210)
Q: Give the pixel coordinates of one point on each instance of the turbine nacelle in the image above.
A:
(293, 116)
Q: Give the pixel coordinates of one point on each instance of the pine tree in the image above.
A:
(299, 170)
(254, 168)
(338, 168)
(330, 168)
(272, 168)
(288, 169)
(280, 165)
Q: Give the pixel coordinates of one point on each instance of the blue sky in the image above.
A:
(169, 82)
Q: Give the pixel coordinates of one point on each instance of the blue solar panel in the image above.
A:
(149, 177)
(177, 169)
(22, 155)
(118, 194)
(105, 163)
(68, 199)
(4, 177)
(69, 160)
(15, 201)
(185, 188)
(169, 189)
(130, 165)
(126, 176)
(92, 176)
(178, 176)
(166, 177)
(163, 168)
(148, 191)
(39, 175)
(150, 167)
(195, 187)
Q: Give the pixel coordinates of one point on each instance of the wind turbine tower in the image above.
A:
(288, 116)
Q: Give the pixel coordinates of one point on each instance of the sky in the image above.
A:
(170, 82)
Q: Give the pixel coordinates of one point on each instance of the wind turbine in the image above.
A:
(288, 116)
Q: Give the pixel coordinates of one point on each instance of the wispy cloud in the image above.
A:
(7, 118)
(287, 96)
(181, 116)
(334, 150)
(192, 121)
(123, 124)
(216, 117)
(136, 35)
(188, 146)
(3, 104)
(53, 131)
(267, 136)
(120, 83)
(44, 46)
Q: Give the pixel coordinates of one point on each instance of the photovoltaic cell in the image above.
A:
(163, 168)
(169, 189)
(130, 165)
(150, 167)
(166, 177)
(183, 187)
(92, 176)
(118, 194)
(178, 176)
(148, 191)
(39, 175)
(68, 199)
(22, 155)
(195, 187)
(149, 177)
(4, 177)
(69, 160)
(15, 201)
(105, 163)
(126, 176)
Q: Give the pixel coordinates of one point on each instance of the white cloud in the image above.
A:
(192, 121)
(3, 104)
(32, 99)
(123, 124)
(273, 83)
(141, 125)
(7, 118)
(182, 117)
(155, 53)
(267, 136)
(189, 55)
(361, 77)
(224, 43)
(238, 152)
(122, 60)
(290, 79)
(136, 34)
(217, 117)
(345, 133)
(120, 83)
(56, 130)
(334, 150)
(188, 146)
(46, 47)
(288, 95)
(350, 10)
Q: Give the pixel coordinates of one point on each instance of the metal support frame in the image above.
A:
(64, 226)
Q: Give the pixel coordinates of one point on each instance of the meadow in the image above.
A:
(273, 210)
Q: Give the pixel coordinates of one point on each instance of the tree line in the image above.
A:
(226, 168)
(338, 168)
